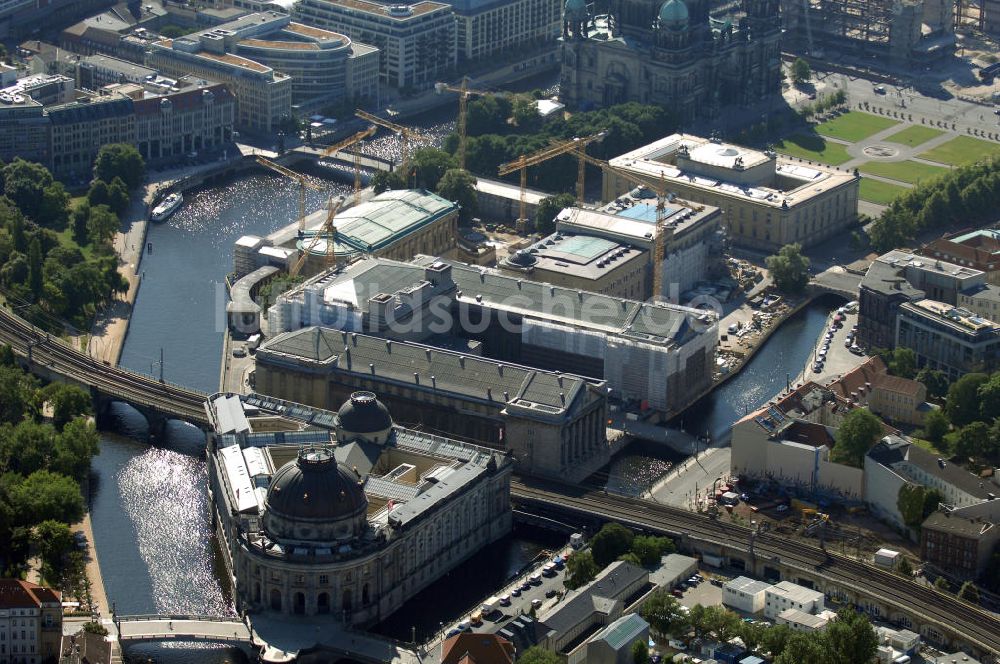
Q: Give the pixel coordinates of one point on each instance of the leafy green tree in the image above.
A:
(487, 115)
(801, 71)
(969, 592)
(94, 627)
(752, 634)
(548, 208)
(630, 557)
(75, 446)
(54, 540)
(640, 652)
(650, 549)
(538, 655)
(858, 431)
(903, 362)
(68, 401)
(789, 269)
(45, 495)
(904, 567)
(429, 165)
(697, 617)
(989, 398)
(524, 113)
(915, 503)
(663, 613)
(973, 440)
(941, 583)
(775, 639)
(384, 181)
(35, 266)
(102, 225)
(803, 647)
(721, 622)
(78, 223)
(14, 399)
(610, 542)
(962, 404)
(7, 358)
(580, 570)
(98, 193)
(120, 160)
(935, 425)
(32, 189)
(26, 447)
(850, 638)
(459, 186)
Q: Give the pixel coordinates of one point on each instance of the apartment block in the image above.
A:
(417, 42)
(30, 622)
(486, 27)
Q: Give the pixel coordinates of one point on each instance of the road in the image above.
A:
(679, 487)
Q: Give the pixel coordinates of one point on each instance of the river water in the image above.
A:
(149, 504)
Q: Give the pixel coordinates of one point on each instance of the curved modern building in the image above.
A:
(344, 513)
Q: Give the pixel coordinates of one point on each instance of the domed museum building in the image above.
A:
(344, 513)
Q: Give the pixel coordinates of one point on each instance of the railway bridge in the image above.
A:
(51, 358)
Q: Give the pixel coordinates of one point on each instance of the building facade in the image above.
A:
(30, 622)
(184, 122)
(657, 356)
(671, 54)
(767, 201)
(961, 541)
(79, 129)
(979, 250)
(787, 595)
(417, 42)
(948, 339)
(554, 424)
(487, 27)
(345, 513)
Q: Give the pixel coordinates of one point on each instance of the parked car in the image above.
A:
(536, 603)
(781, 508)
(551, 592)
(516, 592)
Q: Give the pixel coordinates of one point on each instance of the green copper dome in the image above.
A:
(673, 12)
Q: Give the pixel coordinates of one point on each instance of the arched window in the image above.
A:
(256, 592)
(275, 599)
(299, 604)
(323, 603)
(364, 595)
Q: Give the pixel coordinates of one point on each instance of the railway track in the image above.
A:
(116, 382)
(926, 604)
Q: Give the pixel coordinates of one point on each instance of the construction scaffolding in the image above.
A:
(906, 31)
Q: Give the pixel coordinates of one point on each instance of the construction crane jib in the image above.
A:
(304, 183)
(355, 154)
(464, 92)
(577, 145)
(406, 135)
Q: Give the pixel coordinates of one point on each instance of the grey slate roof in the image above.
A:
(596, 597)
(469, 376)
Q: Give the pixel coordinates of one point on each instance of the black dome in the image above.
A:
(522, 258)
(364, 413)
(316, 488)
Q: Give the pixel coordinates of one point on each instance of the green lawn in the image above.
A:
(854, 126)
(66, 240)
(816, 148)
(961, 150)
(914, 135)
(881, 193)
(904, 171)
(74, 201)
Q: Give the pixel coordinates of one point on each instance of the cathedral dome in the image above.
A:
(362, 416)
(673, 13)
(575, 8)
(314, 497)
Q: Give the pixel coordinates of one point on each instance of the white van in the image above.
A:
(676, 645)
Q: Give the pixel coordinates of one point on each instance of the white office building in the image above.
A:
(787, 595)
(745, 594)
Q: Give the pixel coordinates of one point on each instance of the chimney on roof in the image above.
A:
(372, 367)
(433, 382)
(506, 396)
(461, 360)
(416, 377)
(562, 398)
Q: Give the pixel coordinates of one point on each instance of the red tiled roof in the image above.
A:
(899, 385)
(17, 594)
(869, 372)
(979, 251)
(478, 648)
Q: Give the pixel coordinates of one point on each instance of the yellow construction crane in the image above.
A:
(303, 181)
(355, 154)
(659, 187)
(405, 133)
(464, 92)
(326, 230)
(578, 145)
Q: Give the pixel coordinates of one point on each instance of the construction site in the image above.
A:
(905, 32)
